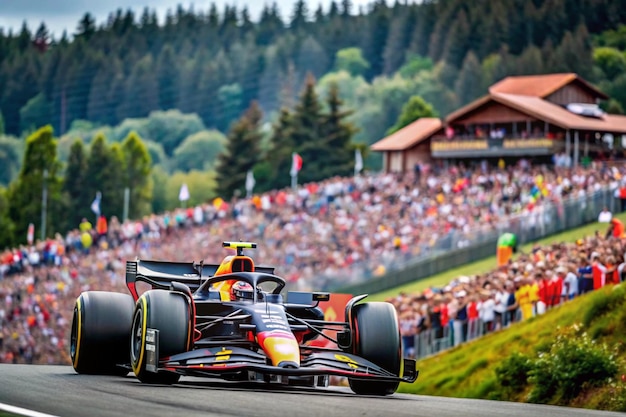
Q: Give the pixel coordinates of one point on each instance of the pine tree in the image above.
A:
(379, 24)
(456, 44)
(86, 26)
(242, 153)
(281, 148)
(469, 84)
(167, 78)
(307, 130)
(141, 90)
(336, 141)
(396, 45)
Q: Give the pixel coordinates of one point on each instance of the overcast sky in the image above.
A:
(62, 15)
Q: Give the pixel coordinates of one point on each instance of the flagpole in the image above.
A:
(126, 203)
(44, 204)
(358, 162)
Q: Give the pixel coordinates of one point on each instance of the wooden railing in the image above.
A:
(441, 146)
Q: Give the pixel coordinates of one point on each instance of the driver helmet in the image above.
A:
(241, 290)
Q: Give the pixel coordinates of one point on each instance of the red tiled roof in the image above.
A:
(409, 135)
(557, 115)
(540, 85)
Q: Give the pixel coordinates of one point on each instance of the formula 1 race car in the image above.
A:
(229, 320)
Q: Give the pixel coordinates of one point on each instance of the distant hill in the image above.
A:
(214, 62)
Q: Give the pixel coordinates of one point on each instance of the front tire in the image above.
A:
(376, 337)
(99, 336)
(169, 313)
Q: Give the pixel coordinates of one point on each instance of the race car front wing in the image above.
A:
(221, 361)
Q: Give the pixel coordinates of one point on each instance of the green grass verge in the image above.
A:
(468, 371)
(488, 264)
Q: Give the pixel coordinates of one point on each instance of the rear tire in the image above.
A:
(376, 337)
(99, 336)
(169, 313)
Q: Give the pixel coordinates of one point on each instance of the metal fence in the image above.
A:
(458, 248)
(431, 341)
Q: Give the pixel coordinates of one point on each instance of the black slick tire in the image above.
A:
(169, 313)
(99, 335)
(376, 337)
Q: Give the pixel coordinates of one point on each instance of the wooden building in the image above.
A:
(523, 116)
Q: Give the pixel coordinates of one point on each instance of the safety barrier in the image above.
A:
(545, 220)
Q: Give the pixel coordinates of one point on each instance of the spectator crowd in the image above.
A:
(339, 229)
(529, 285)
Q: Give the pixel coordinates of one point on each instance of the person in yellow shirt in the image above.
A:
(525, 296)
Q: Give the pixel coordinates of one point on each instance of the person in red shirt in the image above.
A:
(102, 228)
(616, 229)
(557, 285)
(472, 318)
(598, 271)
(612, 276)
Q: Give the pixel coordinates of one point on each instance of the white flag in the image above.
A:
(250, 182)
(358, 161)
(95, 205)
(183, 195)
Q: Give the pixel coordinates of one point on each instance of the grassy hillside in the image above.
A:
(487, 264)
(469, 370)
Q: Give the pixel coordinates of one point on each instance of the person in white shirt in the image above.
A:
(501, 299)
(486, 311)
(605, 216)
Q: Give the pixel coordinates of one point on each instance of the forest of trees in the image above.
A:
(215, 62)
(210, 93)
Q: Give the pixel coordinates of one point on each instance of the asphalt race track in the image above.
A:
(57, 390)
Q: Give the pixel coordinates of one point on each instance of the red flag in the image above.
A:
(296, 164)
(30, 236)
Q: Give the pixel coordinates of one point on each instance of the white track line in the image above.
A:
(23, 411)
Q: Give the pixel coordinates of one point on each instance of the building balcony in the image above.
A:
(442, 147)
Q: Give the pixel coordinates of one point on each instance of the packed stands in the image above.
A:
(342, 227)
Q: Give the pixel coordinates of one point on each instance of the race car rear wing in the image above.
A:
(163, 273)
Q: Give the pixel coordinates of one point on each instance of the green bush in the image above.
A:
(573, 363)
(512, 374)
